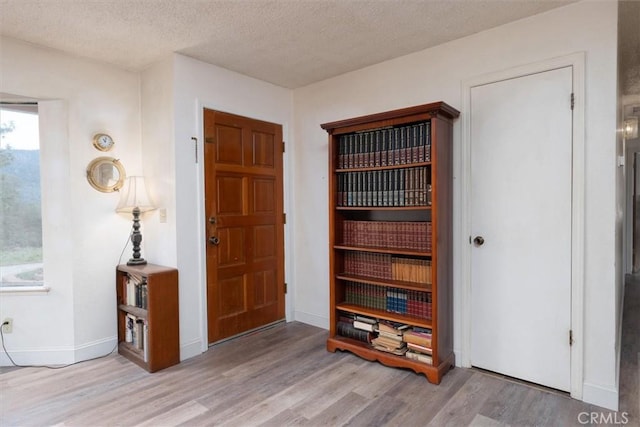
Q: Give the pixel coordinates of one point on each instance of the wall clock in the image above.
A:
(103, 142)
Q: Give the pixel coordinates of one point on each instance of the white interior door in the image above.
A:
(521, 151)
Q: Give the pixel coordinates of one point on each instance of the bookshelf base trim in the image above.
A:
(434, 374)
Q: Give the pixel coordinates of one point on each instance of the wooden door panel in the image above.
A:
(264, 288)
(263, 150)
(264, 242)
(230, 195)
(229, 147)
(234, 291)
(244, 210)
(263, 190)
(232, 248)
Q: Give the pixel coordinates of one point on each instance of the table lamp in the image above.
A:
(134, 198)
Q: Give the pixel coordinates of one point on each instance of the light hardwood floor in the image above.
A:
(284, 376)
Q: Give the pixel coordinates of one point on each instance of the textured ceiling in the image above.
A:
(290, 43)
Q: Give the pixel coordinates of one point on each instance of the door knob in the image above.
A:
(478, 240)
(214, 240)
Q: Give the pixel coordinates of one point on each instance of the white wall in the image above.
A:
(437, 74)
(95, 97)
(83, 234)
(196, 85)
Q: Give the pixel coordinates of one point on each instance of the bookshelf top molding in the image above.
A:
(394, 117)
(145, 269)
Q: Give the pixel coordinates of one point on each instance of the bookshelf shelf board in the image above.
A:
(136, 311)
(381, 314)
(126, 347)
(383, 208)
(379, 168)
(364, 350)
(423, 287)
(383, 250)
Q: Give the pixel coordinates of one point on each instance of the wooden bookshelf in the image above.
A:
(156, 344)
(392, 172)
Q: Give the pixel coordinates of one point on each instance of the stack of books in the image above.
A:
(418, 341)
(389, 338)
(346, 328)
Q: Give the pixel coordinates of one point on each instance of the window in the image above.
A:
(20, 197)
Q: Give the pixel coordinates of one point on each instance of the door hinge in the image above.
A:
(285, 287)
(284, 218)
(283, 146)
(573, 100)
(570, 337)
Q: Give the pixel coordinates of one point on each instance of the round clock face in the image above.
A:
(103, 142)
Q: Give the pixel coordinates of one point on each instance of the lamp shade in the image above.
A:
(133, 194)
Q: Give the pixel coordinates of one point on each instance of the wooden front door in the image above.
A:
(245, 223)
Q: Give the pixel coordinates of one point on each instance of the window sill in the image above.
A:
(24, 290)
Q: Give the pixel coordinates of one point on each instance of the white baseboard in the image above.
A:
(190, 349)
(59, 356)
(312, 319)
(602, 396)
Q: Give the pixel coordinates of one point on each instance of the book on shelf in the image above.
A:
(130, 321)
(388, 146)
(419, 348)
(346, 329)
(145, 345)
(365, 323)
(136, 332)
(363, 326)
(407, 235)
(389, 345)
(135, 290)
(392, 327)
(420, 357)
(390, 335)
(411, 303)
(418, 337)
(386, 266)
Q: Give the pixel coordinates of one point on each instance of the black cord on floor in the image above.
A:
(45, 366)
(70, 364)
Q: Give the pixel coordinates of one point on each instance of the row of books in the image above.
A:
(390, 337)
(387, 267)
(385, 147)
(135, 291)
(412, 235)
(137, 334)
(407, 302)
(391, 187)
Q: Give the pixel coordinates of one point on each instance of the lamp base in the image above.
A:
(136, 239)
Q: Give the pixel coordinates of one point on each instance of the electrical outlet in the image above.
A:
(163, 214)
(7, 325)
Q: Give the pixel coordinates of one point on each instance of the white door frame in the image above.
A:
(577, 61)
